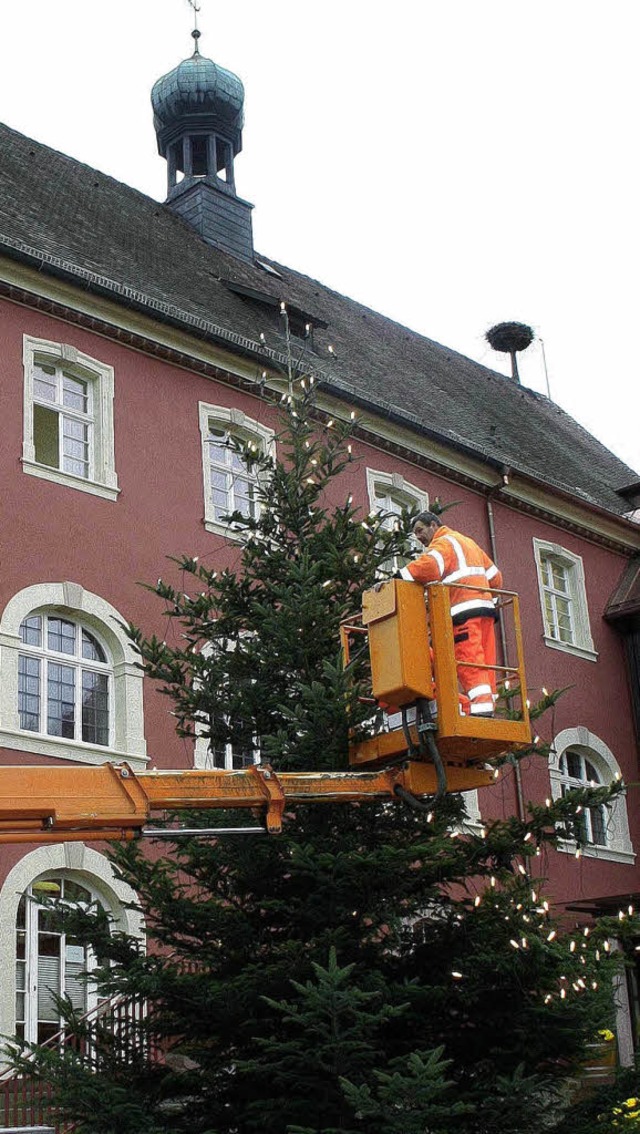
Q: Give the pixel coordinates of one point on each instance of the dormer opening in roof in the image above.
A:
(198, 115)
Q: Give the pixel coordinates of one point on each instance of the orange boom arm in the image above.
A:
(48, 804)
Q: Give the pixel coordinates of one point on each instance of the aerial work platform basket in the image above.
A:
(414, 678)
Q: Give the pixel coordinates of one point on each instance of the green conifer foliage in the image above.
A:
(373, 968)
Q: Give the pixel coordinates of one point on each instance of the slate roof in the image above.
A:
(80, 221)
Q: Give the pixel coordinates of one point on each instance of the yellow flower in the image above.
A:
(606, 1034)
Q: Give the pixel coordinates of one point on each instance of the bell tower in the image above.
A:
(198, 115)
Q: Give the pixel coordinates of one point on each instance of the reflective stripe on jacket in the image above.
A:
(455, 558)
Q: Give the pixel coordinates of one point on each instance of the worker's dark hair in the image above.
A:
(426, 518)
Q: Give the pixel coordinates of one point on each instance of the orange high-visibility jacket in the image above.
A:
(455, 558)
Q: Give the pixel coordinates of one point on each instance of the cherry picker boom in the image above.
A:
(49, 804)
(413, 758)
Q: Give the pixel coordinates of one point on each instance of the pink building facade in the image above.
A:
(119, 372)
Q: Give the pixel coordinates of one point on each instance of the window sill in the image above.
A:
(225, 530)
(75, 751)
(589, 654)
(603, 854)
(57, 476)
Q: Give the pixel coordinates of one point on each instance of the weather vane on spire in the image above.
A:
(196, 32)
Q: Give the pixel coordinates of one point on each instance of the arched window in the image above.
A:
(578, 771)
(69, 685)
(50, 962)
(216, 752)
(37, 959)
(65, 680)
(580, 759)
(225, 756)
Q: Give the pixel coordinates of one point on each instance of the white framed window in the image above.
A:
(390, 493)
(65, 680)
(230, 482)
(581, 759)
(563, 600)
(221, 754)
(225, 756)
(38, 961)
(50, 963)
(69, 683)
(68, 418)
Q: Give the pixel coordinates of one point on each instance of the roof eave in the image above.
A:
(177, 317)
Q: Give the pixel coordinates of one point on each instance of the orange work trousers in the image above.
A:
(474, 643)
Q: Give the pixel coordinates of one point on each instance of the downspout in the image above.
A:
(503, 638)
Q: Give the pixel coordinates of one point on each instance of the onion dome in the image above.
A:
(198, 119)
(198, 94)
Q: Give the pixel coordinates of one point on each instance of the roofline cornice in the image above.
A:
(384, 428)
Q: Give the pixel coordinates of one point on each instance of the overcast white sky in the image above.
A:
(451, 163)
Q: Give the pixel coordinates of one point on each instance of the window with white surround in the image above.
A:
(38, 959)
(563, 600)
(217, 752)
(50, 963)
(68, 418)
(390, 493)
(225, 756)
(580, 759)
(230, 481)
(69, 683)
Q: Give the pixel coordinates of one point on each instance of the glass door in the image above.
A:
(50, 962)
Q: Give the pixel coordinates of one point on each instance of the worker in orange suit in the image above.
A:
(451, 557)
